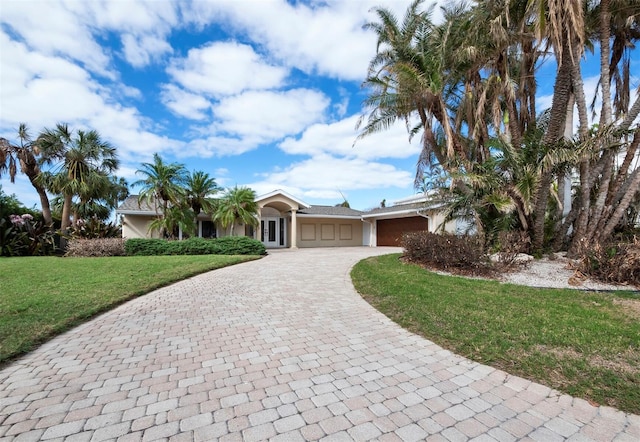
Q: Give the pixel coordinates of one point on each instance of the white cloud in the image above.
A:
(328, 174)
(225, 68)
(140, 51)
(338, 139)
(183, 103)
(268, 115)
(323, 37)
(62, 33)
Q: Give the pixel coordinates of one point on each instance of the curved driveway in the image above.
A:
(278, 348)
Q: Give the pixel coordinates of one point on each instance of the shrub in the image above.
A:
(23, 236)
(145, 246)
(614, 262)
(81, 247)
(511, 244)
(94, 228)
(230, 245)
(446, 251)
(240, 245)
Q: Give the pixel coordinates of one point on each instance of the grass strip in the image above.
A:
(586, 344)
(41, 297)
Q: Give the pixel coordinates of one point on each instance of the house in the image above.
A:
(288, 222)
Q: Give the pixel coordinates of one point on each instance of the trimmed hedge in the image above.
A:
(228, 245)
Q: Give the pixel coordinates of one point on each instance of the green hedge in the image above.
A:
(228, 245)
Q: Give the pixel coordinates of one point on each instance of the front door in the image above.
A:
(271, 234)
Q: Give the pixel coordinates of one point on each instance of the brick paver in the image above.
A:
(281, 348)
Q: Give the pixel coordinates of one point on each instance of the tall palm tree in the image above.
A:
(237, 204)
(162, 185)
(81, 163)
(199, 191)
(26, 154)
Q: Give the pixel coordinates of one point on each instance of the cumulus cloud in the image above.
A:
(332, 174)
(183, 103)
(225, 68)
(270, 115)
(140, 51)
(338, 138)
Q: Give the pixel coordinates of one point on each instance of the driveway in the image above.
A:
(282, 348)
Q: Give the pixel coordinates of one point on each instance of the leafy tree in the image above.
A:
(81, 164)
(468, 87)
(200, 189)
(26, 153)
(237, 204)
(162, 186)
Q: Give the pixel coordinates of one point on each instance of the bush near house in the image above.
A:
(230, 245)
(446, 251)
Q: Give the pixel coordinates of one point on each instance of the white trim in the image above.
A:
(301, 203)
(137, 212)
(391, 214)
(313, 215)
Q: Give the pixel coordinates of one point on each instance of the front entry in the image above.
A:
(273, 232)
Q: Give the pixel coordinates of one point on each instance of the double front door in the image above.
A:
(273, 232)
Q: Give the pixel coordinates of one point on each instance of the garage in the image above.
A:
(390, 231)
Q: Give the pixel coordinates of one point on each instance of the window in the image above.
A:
(282, 231)
(208, 229)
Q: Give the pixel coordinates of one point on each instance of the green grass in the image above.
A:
(586, 344)
(44, 296)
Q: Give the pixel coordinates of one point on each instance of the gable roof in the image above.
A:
(283, 193)
(131, 206)
(330, 211)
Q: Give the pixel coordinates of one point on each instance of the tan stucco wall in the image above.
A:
(435, 219)
(137, 227)
(329, 232)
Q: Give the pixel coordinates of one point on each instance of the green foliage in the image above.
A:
(237, 204)
(95, 247)
(240, 245)
(21, 235)
(94, 228)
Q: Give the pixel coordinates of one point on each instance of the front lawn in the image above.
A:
(44, 296)
(585, 344)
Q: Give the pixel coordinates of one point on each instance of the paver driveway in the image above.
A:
(278, 348)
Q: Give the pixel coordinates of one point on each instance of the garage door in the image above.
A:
(390, 231)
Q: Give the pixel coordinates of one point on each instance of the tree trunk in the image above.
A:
(623, 205)
(605, 81)
(561, 96)
(66, 212)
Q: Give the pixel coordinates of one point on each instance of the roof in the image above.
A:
(331, 211)
(396, 209)
(131, 206)
(283, 193)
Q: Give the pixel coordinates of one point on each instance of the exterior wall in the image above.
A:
(137, 227)
(329, 232)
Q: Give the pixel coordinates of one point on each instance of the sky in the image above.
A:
(257, 93)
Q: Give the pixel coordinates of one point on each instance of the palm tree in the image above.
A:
(162, 185)
(238, 204)
(199, 191)
(81, 164)
(26, 154)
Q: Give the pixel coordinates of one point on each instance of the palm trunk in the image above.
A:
(561, 96)
(66, 212)
(623, 205)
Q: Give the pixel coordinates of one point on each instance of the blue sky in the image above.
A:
(258, 93)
